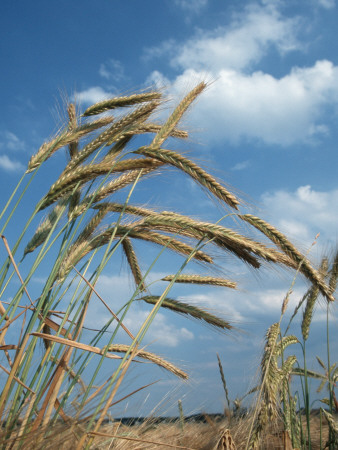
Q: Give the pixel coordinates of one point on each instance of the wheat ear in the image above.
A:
(67, 181)
(199, 279)
(150, 357)
(175, 223)
(270, 378)
(118, 102)
(196, 234)
(174, 118)
(334, 274)
(155, 128)
(241, 253)
(72, 257)
(108, 136)
(91, 226)
(73, 149)
(286, 246)
(269, 370)
(332, 425)
(111, 187)
(157, 238)
(82, 248)
(133, 263)
(44, 228)
(310, 302)
(308, 311)
(128, 209)
(222, 236)
(192, 169)
(74, 145)
(283, 343)
(193, 311)
(122, 140)
(221, 371)
(65, 138)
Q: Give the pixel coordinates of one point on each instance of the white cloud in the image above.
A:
(240, 308)
(116, 291)
(157, 79)
(276, 111)
(301, 215)
(161, 332)
(9, 165)
(164, 48)
(112, 70)
(327, 4)
(193, 6)
(221, 302)
(92, 95)
(243, 103)
(304, 213)
(241, 166)
(259, 106)
(238, 46)
(270, 302)
(10, 141)
(258, 307)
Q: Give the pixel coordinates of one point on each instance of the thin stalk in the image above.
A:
(180, 409)
(98, 271)
(125, 308)
(45, 376)
(14, 209)
(320, 429)
(4, 209)
(4, 393)
(306, 397)
(331, 437)
(132, 349)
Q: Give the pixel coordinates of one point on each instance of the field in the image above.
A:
(205, 433)
(52, 367)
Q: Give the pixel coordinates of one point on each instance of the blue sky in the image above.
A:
(267, 125)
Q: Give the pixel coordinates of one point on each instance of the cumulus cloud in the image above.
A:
(164, 48)
(92, 95)
(194, 6)
(301, 215)
(10, 141)
(261, 107)
(116, 290)
(10, 165)
(158, 79)
(304, 213)
(218, 302)
(162, 331)
(264, 108)
(245, 42)
(327, 4)
(241, 165)
(112, 70)
(243, 103)
(237, 46)
(260, 305)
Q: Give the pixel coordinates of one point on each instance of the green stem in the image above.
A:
(306, 398)
(331, 436)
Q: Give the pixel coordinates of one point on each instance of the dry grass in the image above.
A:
(166, 436)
